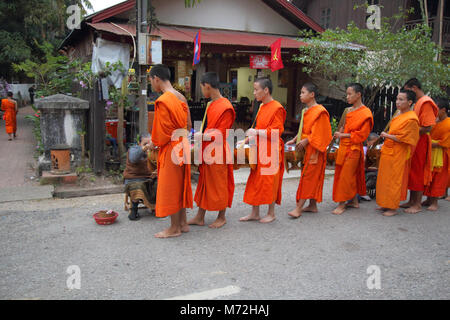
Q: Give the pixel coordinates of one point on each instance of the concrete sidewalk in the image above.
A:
(16, 162)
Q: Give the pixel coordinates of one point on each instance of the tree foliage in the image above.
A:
(375, 58)
(52, 74)
(24, 21)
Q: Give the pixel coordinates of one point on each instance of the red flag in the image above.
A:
(275, 61)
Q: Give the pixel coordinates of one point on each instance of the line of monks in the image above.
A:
(407, 160)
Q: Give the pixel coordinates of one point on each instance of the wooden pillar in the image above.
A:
(97, 132)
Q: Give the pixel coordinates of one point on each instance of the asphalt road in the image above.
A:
(319, 256)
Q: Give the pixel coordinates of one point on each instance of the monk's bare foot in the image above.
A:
(406, 205)
(352, 204)
(413, 209)
(339, 210)
(380, 209)
(250, 217)
(296, 213)
(426, 203)
(219, 223)
(390, 213)
(311, 208)
(433, 207)
(185, 228)
(196, 221)
(168, 233)
(448, 198)
(267, 219)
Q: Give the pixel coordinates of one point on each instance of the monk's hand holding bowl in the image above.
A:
(302, 144)
(152, 147)
(290, 142)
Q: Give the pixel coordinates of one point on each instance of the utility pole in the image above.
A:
(141, 72)
(441, 23)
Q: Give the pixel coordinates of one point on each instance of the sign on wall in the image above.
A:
(150, 49)
(259, 61)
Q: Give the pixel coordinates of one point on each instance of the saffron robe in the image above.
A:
(349, 177)
(439, 182)
(9, 116)
(395, 161)
(174, 177)
(215, 188)
(317, 128)
(420, 174)
(262, 188)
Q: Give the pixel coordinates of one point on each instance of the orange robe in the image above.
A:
(439, 183)
(215, 188)
(9, 116)
(317, 128)
(174, 179)
(395, 161)
(420, 174)
(349, 177)
(266, 189)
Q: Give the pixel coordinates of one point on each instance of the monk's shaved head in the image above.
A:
(265, 83)
(410, 95)
(311, 87)
(210, 78)
(442, 103)
(357, 87)
(413, 82)
(161, 71)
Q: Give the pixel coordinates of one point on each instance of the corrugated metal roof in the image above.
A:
(210, 36)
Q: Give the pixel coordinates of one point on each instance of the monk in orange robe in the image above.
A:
(420, 175)
(215, 187)
(174, 193)
(440, 136)
(315, 136)
(395, 161)
(9, 106)
(265, 180)
(349, 177)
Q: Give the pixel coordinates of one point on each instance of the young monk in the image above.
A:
(263, 188)
(215, 188)
(9, 106)
(349, 178)
(174, 193)
(314, 138)
(420, 175)
(392, 180)
(440, 136)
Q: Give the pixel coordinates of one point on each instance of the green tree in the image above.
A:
(375, 58)
(53, 74)
(191, 3)
(23, 21)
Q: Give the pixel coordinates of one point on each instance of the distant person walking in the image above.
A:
(9, 106)
(31, 91)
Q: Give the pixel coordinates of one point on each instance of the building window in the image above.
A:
(325, 18)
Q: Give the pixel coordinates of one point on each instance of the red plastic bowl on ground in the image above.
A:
(105, 220)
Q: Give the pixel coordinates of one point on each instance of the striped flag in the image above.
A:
(197, 48)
